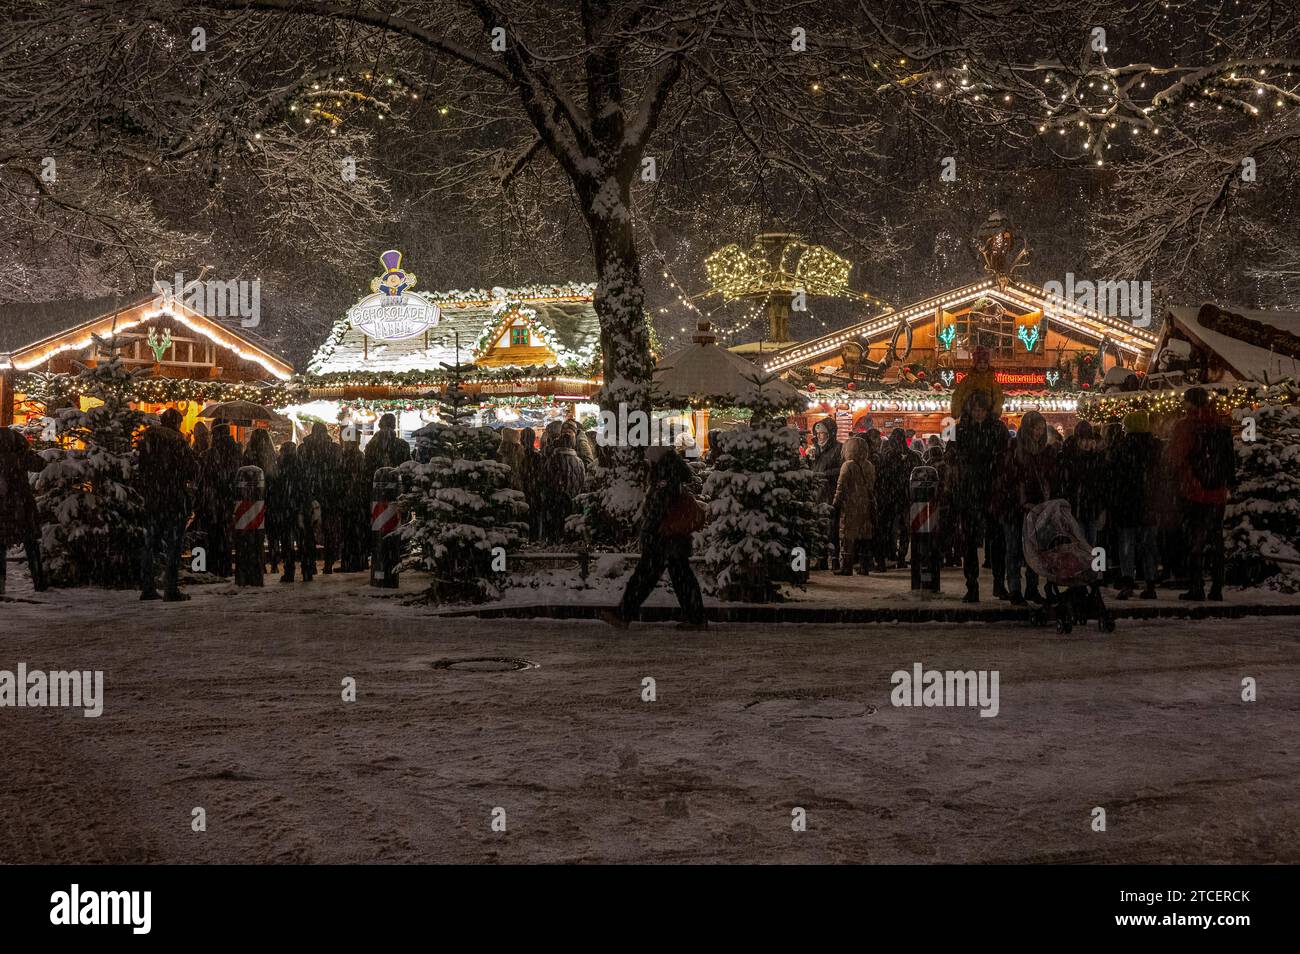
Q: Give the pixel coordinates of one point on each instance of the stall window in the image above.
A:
(518, 337)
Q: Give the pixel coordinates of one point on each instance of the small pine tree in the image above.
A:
(92, 516)
(1262, 519)
(762, 506)
(462, 504)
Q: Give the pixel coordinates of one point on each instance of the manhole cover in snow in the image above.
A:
(486, 664)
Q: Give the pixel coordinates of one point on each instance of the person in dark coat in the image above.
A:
(218, 491)
(855, 502)
(664, 544)
(201, 439)
(355, 519)
(978, 453)
(19, 522)
(530, 473)
(1132, 475)
(261, 453)
(564, 477)
(1083, 479)
(896, 464)
(827, 460)
(386, 449)
(322, 462)
(1204, 463)
(292, 496)
(166, 469)
(1032, 480)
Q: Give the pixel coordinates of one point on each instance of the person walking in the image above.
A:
(1032, 479)
(19, 521)
(217, 493)
(855, 502)
(1205, 465)
(1132, 476)
(669, 516)
(978, 454)
(166, 469)
(322, 465)
(292, 496)
(827, 460)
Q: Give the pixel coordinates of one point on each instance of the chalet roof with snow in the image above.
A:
(1252, 345)
(551, 326)
(43, 335)
(704, 373)
(1018, 296)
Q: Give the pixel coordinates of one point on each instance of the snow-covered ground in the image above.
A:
(232, 703)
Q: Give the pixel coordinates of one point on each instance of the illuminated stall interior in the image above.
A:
(187, 360)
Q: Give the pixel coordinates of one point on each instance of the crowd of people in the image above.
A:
(1153, 505)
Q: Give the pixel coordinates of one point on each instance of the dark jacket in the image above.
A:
(17, 502)
(828, 460)
(167, 469)
(669, 476)
(896, 464)
(321, 461)
(218, 488)
(978, 453)
(386, 449)
(1132, 476)
(1082, 477)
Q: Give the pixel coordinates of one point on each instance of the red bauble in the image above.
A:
(850, 386)
(811, 388)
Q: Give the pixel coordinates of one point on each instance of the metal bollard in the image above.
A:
(923, 516)
(250, 520)
(386, 550)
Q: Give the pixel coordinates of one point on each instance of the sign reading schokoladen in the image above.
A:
(393, 312)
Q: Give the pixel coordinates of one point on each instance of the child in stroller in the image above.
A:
(1056, 549)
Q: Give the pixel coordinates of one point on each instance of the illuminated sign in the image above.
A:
(1017, 378)
(393, 312)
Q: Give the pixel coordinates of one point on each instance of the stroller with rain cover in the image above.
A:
(1056, 549)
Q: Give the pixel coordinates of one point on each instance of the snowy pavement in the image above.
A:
(232, 703)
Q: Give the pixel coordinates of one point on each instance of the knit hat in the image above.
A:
(1137, 422)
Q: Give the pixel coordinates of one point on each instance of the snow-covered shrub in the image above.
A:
(1262, 520)
(92, 516)
(762, 503)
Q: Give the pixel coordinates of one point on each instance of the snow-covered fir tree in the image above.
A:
(462, 504)
(762, 503)
(1262, 520)
(91, 513)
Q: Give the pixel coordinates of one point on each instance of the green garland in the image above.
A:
(47, 388)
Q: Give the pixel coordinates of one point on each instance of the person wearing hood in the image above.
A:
(826, 463)
(981, 377)
(896, 464)
(530, 473)
(855, 502)
(978, 454)
(586, 451)
(1033, 480)
(218, 491)
(564, 478)
(1132, 476)
(202, 439)
(1204, 463)
(1083, 480)
(669, 517)
(19, 520)
(166, 467)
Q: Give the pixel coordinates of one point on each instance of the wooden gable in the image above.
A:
(516, 339)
